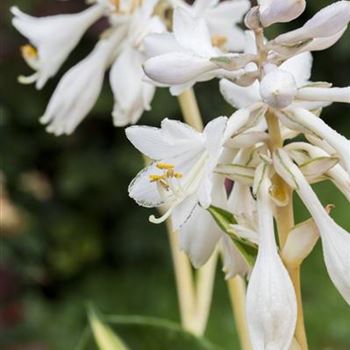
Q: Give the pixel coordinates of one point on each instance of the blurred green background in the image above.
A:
(71, 233)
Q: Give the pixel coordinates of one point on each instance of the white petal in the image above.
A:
(156, 144)
(192, 33)
(222, 19)
(128, 87)
(233, 262)
(199, 236)
(300, 67)
(300, 242)
(271, 301)
(337, 174)
(160, 43)
(335, 240)
(275, 11)
(182, 212)
(145, 192)
(324, 94)
(214, 132)
(177, 68)
(306, 121)
(327, 22)
(237, 96)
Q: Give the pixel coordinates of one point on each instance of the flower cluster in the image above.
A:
(253, 150)
(246, 166)
(121, 47)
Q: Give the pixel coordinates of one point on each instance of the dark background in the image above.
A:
(71, 234)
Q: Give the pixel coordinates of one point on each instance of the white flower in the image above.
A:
(335, 240)
(271, 301)
(189, 56)
(132, 94)
(306, 122)
(328, 22)
(275, 11)
(80, 87)
(184, 57)
(336, 174)
(279, 87)
(181, 175)
(53, 39)
(222, 19)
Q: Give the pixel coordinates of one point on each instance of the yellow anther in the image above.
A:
(165, 166)
(29, 51)
(155, 178)
(218, 40)
(178, 175)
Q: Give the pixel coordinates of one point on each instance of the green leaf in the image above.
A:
(225, 219)
(144, 333)
(104, 336)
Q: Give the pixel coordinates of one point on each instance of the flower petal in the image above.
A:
(335, 240)
(192, 33)
(271, 301)
(238, 96)
(307, 122)
(199, 237)
(145, 192)
(300, 67)
(177, 68)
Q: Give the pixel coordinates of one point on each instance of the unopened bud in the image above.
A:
(277, 11)
(252, 18)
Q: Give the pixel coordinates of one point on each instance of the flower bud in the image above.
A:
(276, 11)
(278, 88)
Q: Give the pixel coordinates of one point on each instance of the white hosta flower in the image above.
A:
(278, 88)
(181, 175)
(53, 38)
(186, 56)
(132, 94)
(336, 174)
(271, 301)
(80, 87)
(327, 23)
(335, 240)
(306, 122)
(275, 11)
(189, 54)
(222, 19)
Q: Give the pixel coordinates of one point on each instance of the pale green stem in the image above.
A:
(237, 292)
(285, 222)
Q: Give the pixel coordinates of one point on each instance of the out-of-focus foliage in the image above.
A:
(80, 237)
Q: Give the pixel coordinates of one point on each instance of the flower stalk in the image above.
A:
(284, 216)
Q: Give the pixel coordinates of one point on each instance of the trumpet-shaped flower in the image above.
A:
(180, 175)
(306, 122)
(53, 39)
(187, 55)
(335, 240)
(75, 94)
(132, 94)
(222, 19)
(271, 301)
